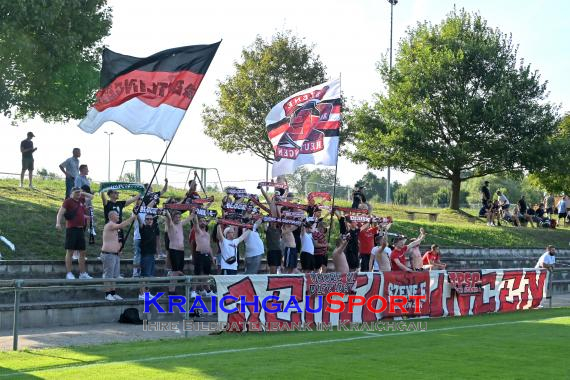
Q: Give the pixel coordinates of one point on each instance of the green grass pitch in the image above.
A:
(522, 345)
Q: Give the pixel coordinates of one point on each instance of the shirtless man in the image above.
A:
(110, 251)
(416, 255)
(339, 258)
(290, 253)
(176, 245)
(202, 257)
(380, 256)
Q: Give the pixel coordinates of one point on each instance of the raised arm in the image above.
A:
(104, 198)
(418, 241)
(165, 188)
(220, 233)
(124, 224)
(132, 199)
(60, 213)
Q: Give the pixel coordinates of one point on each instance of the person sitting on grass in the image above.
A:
(431, 259)
(110, 252)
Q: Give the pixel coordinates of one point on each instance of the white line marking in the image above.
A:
(368, 335)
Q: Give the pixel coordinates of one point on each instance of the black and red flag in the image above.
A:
(149, 95)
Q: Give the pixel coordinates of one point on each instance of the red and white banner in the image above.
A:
(304, 128)
(502, 290)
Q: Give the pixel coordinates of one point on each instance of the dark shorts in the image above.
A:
(27, 163)
(307, 261)
(147, 266)
(229, 272)
(550, 210)
(562, 215)
(352, 260)
(320, 260)
(290, 255)
(176, 260)
(505, 207)
(166, 241)
(202, 263)
(75, 239)
(274, 258)
(364, 261)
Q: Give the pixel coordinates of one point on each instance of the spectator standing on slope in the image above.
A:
(70, 169)
(27, 149)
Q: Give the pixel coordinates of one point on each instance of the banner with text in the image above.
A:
(301, 299)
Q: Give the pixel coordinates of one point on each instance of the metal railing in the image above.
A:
(18, 286)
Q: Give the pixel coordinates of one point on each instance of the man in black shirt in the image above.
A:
(485, 194)
(27, 149)
(358, 198)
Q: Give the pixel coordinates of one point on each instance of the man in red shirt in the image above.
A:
(431, 259)
(365, 245)
(73, 209)
(398, 255)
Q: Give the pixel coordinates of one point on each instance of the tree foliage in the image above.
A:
(269, 72)
(459, 105)
(375, 188)
(554, 178)
(305, 180)
(50, 56)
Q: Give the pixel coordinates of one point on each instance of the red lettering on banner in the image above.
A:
(242, 288)
(436, 297)
(295, 284)
(480, 307)
(536, 287)
(369, 315)
(407, 284)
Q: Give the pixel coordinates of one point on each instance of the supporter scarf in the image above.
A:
(106, 186)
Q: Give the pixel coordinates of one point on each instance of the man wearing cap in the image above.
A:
(73, 209)
(27, 149)
(229, 248)
(70, 168)
(398, 255)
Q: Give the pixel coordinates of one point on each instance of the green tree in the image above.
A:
(50, 56)
(305, 180)
(554, 178)
(268, 73)
(459, 105)
(376, 187)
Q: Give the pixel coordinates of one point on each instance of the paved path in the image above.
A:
(60, 336)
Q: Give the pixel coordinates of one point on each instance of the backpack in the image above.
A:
(131, 316)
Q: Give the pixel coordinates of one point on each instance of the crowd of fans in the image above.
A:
(537, 215)
(292, 232)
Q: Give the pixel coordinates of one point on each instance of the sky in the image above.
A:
(349, 37)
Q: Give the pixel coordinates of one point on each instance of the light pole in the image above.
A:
(109, 164)
(392, 3)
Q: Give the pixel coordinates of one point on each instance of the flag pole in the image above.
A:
(136, 209)
(336, 166)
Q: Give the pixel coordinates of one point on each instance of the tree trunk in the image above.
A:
(455, 191)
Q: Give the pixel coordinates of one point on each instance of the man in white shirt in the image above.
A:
(548, 259)
(229, 248)
(307, 249)
(254, 250)
(380, 256)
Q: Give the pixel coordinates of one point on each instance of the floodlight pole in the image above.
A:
(109, 162)
(392, 3)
